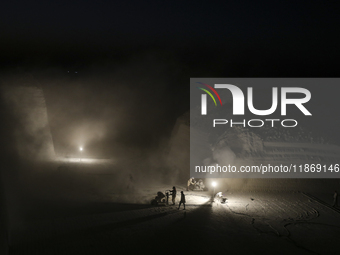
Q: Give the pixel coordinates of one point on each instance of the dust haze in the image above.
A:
(120, 113)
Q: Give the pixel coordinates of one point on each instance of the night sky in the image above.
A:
(74, 31)
(130, 61)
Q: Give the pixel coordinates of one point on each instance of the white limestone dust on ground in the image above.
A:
(253, 223)
(249, 223)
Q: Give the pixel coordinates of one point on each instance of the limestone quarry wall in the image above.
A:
(31, 132)
(260, 152)
(179, 150)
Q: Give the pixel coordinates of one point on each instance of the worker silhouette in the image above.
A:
(335, 199)
(182, 200)
(167, 197)
(191, 183)
(173, 193)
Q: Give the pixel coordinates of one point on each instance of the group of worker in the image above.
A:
(195, 185)
(173, 194)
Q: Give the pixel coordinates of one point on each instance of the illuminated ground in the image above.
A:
(103, 207)
(85, 160)
(250, 223)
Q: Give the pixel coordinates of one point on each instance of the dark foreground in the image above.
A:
(250, 223)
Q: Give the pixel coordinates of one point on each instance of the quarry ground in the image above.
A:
(61, 216)
(249, 223)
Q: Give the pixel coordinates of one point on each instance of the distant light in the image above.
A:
(214, 184)
(80, 148)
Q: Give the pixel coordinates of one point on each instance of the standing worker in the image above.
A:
(182, 200)
(335, 201)
(167, 197)
(173, 193)
(190, 182)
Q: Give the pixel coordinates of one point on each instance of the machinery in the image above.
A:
(219, 197)
(197, 185)
(161, 198)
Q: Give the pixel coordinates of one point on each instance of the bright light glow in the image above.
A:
(80, 148)
(214, 184)
(87, 160)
